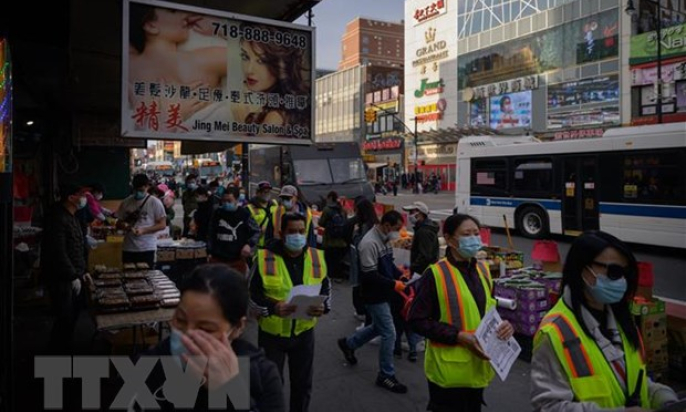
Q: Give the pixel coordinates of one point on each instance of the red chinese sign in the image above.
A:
(578, 134)
(383, 144)
(429, 12)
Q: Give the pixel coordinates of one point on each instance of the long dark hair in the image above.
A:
(455, 221)
(582, 253)
(228, 287)
(366, 215)
(139, 15)
(288, 66)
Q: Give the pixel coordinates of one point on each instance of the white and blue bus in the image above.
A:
(630, 182)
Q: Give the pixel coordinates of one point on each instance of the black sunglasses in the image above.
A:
(612, 270)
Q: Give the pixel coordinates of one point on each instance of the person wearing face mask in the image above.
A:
(290, 203)
(425, 248)
(588, 354)
(261, 207)
(63, 266)
(379, 282)
(94, 197)
(453, 296)
(233, 234)
(188, 199)
(276, 270)
(203, 214)
(208, 323)
(142, 216)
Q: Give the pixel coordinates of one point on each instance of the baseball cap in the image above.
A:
(288, 191)
(69, 189)
(421, 206)
(263, 185)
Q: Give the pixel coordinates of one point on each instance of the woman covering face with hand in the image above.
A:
(588, 355)
(205, 339)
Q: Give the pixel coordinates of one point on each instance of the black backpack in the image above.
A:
(336, 226)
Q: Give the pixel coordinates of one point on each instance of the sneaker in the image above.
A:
(359, 316)
(348, 353)
(398, 353)
(391, 383)
(412, 356)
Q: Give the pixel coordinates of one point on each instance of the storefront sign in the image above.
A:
(432, 51)
(644, 46)
(158, 102)
(431, 11)
(427, 88)
(600, 89)
(670, 73)
(389, 143)
(430, 112)
(504, 87)
(578, 134)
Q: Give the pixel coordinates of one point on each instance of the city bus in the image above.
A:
(630, 182)
(208, 169)
(162, 168)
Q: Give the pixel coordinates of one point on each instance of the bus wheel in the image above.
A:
(533, 223)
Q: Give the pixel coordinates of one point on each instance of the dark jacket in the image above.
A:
(229, 232)
(328, 214)
(63, 254)
(266, 388)
(202, 217)
(295, 267)
(378, 270)
(425, 312)
(425, 246)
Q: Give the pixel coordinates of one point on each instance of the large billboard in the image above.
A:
(591, 101)
(510, 110)
(199, 74)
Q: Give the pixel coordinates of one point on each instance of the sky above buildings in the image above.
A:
(331, 16)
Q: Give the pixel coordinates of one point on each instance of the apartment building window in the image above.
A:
(365, 39)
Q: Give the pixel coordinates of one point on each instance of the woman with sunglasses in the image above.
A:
(588, 354)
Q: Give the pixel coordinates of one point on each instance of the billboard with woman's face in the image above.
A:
(199, 74)
(510, 110)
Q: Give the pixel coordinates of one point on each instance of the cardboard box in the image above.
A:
(647, 307)
(201, 253)
(653, 328)
(524, 318)
(185, 253)
(166, 255)
(657, 358)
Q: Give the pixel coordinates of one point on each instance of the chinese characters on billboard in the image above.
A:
(592, 101)
(510, 110)
(204, 75)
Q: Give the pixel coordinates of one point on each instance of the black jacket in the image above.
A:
(229, 232)
(63, 252)
(425, 246)
(202, 217)
(266, 388)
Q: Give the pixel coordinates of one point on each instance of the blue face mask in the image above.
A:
(177, 347)
(220, 191)
(139, 195)
(82, 202)
(607, 291)
(241, 197)
(230, 206)
(288, 204)
(192, 186)
(295, 242)
(469, 246)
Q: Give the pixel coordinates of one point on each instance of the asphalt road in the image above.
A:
(669, 264)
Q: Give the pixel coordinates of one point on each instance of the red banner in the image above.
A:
(383, 144)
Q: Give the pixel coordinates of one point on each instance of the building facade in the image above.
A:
(339, 106)
(372, 42)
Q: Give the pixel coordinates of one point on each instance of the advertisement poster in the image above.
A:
(606, 116)
(511, 110)
(197, 74)
(644, 46)
(478, 112)
(593, 90)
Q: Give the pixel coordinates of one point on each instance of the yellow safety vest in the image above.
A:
(259, 214)
(277, 215)
(277, 285)
(591, 377)
(455, 366)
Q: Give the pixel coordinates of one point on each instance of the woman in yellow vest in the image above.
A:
(452, 298)
(588, 354)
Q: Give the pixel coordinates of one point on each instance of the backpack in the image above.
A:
(336, 226)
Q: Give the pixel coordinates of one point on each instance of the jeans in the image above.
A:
(382, 324)
(300, 353)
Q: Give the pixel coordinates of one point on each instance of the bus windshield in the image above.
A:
(210, 170)
(312, 172)
(347, 170)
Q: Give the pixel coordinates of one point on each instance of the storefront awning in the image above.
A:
(450, 134)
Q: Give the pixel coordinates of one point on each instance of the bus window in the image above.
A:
(312, 172)
(490, 177)
(347, 170)
(654, 177)
(533, 175)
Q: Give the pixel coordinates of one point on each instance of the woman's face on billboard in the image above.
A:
(256, 74)
(171, 25)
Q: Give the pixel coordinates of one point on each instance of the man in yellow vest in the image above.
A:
(277, 269)
(260, 208)
(290, 203)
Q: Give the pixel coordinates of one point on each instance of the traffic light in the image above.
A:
(370, 116)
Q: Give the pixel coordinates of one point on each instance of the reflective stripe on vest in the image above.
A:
(576, 355)
(278, 216)
(591, 377)
(277, 285)
(455, 366)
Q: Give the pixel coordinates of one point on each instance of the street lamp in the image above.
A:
(631, 11)
(416, 149)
